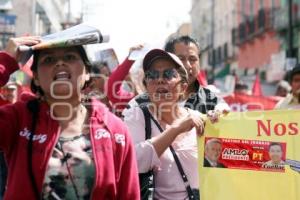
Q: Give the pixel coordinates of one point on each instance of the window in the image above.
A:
(251, 8)
(261, 4)
(283, 3)
(273, 3)
(243, 7)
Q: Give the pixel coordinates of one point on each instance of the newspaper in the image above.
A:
(81, 34)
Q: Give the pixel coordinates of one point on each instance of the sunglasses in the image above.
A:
(167, 74)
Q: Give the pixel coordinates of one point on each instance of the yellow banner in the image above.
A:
(251, 156)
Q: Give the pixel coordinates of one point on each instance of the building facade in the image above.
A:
(254, 34)
(212, 22)
(31, 17)
(248, 36)
(281, 21)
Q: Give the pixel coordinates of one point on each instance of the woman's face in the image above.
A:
(163, 82)
(60, 73)
(275, 154)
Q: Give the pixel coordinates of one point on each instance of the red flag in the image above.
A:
(244, 102)
(256, 89)
(202, 78)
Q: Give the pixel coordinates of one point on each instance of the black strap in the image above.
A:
(3, 174)
(203, 100)
(146, 193)
(147, 122)
(148, 116)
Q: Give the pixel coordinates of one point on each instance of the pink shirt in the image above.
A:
(168, 181)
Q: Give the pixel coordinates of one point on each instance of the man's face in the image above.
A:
(295, 83)
(275, 153)
(189, 55)
(105, 71)
(213, 151)
(98, 83)
(10, 94)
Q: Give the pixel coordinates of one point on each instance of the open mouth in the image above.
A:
(162, 91)
(62, 76)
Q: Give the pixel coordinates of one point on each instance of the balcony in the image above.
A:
(242, 32)
(234, 36)
(264, 20)
(7, 28)
(250, 28)
(261, 19)
(225, 51)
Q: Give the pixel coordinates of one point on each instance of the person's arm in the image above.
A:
(8, 65)
(145, 153)
(114, 90)
(9, 58)
(182, 125)
(117, 96)
(283, 103)
(8, 113)
(149, 151)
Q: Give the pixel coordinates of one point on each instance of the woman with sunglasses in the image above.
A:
(57, 146)
(166, 80)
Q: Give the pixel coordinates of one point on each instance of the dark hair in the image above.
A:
(241, 86)
(95, 70)
(170, 44)
(275, 144)
(36, 89)
(295, 71)
(103, 64)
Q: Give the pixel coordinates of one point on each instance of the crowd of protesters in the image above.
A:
(95, 142)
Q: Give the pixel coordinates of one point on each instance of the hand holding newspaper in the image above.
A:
(81, 34)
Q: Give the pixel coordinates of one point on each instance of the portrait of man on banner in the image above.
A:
(275, 154)
(213, 151)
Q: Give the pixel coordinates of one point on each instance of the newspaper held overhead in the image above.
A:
(81, 34)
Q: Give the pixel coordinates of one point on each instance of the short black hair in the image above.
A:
(241, 86)
(295, 71)
(170, 44)
(95, 70)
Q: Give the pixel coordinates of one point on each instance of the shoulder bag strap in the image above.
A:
(179, 166)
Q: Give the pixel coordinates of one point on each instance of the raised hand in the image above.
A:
(192, 119)
(13, 44)
(214, 115)
(134, 48)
